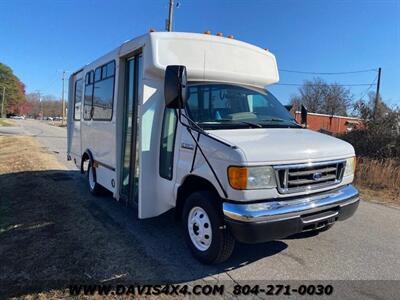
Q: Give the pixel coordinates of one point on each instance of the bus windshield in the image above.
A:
(223, 106)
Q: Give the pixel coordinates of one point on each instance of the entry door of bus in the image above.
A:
(74, 148)
(129, 187)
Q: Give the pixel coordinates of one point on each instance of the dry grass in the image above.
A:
(6, 122)
(379, 180)
(57, 123)
(54, 233)
(21, 153)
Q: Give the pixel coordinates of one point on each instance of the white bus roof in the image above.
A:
(206, 57)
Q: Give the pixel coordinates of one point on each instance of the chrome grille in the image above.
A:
(309, 176)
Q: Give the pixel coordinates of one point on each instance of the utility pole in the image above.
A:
(171, 11)
(62, 98)
(2, 102)
(41, 105)
(378, 85)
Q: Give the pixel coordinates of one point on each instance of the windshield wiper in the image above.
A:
(280, 120)
(251, 124)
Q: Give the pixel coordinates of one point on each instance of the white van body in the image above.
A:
(123, 148)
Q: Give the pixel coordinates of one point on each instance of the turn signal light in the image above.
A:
(238, 177)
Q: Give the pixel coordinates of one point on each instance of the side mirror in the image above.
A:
(289, 107)
(304, 115)
(175, 86)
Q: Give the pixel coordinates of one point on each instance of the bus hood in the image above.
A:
(285, 145)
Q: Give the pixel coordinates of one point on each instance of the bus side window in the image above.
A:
(78, 99)
(87, 103)
(103, 95)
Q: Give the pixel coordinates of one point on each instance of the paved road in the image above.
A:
(366, 246)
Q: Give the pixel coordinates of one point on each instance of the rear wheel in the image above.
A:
(205, 233)
(94, 187)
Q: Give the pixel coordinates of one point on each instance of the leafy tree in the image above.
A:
(14, 89)
(321, 97)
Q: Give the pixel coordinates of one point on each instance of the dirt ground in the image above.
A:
(381, 196)
(50, 238)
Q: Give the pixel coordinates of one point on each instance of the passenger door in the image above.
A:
(74, 127)
(129, 187)
(86, 116)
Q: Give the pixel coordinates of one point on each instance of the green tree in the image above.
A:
(14, 90)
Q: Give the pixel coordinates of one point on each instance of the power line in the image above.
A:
(368, 88)
(328, 73)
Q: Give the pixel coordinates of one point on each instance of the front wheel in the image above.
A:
(206, 235)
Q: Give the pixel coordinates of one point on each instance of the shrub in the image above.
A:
(379, 139)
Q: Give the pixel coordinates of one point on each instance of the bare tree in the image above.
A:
(51, 106)
(337, 100)
(365, 109)
(321, 97)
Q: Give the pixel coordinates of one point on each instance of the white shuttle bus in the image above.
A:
(186, 121)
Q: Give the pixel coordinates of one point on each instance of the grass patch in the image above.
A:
(58, 123)
(22, 153)
(379, 180)
(53, 232)
(5, 213)
(6, 122)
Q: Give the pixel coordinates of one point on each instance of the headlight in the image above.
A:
(251, 178)
(350, 166)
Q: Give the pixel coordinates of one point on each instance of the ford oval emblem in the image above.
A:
(317, 176)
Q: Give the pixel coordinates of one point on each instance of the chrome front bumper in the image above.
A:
(273, 219)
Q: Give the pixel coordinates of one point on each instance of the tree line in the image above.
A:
(316, 94)
(17, 102)
(12, 90)
(321, 97)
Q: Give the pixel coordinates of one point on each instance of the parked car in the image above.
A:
(18, 117)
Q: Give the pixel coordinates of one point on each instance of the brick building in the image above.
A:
(330, 123)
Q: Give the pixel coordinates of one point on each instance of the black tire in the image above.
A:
(222, 241)
(94, 188)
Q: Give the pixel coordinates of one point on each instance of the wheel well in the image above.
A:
(85, 157)
(191, 184)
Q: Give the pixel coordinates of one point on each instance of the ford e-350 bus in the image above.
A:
(186, 121)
